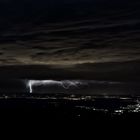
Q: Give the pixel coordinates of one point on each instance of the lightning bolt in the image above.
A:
(66, 84)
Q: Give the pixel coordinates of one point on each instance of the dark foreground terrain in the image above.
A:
(72, 107)
(70, 99)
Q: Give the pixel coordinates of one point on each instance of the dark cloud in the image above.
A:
(69, 32)
(111, 71)
(82, 44)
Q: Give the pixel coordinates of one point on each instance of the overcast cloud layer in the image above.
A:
(69, 31)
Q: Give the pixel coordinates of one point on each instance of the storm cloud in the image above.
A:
(69, 32)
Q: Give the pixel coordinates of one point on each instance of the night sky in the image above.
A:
(70, 58)
(96, 36)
